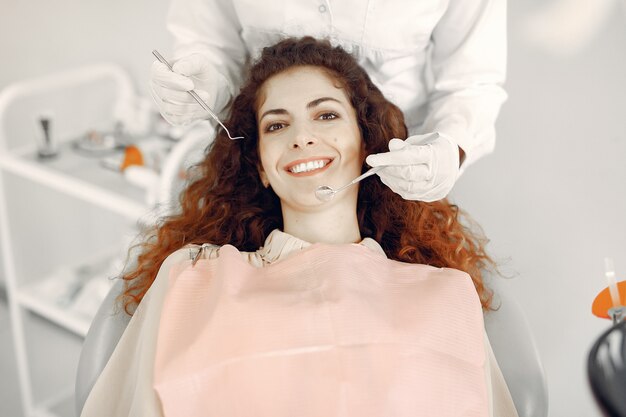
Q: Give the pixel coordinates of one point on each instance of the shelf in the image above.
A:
(78, 176)
(49, 310)
(70, 296)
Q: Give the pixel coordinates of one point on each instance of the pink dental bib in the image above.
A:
(332, 330)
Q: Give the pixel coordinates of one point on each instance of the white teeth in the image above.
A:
(307, 166)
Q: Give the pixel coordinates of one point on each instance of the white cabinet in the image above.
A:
(58, 217)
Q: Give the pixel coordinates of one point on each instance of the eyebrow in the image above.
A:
(312, 104)
(319, 101)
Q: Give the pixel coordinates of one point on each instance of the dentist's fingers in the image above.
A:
(399, 174)
(178, 104)
(412, 155)
(177, 97)
(192, 65)
(181, 113)
(162, 76)
(423, 139)
(396, 144)
(193, 72)
(420, 190)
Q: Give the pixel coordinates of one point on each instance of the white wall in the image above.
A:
(38, 37)
(552, 198)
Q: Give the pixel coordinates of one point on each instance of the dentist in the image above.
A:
(443, 62)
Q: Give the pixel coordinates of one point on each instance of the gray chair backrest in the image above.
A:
(105, 331)
(507, 328)
(517, 355)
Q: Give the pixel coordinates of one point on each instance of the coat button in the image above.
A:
(322, 8)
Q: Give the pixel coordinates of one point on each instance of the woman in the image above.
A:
(280, 304)
(442, 62)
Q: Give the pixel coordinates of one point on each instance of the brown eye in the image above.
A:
(329, 116)
(274, 126)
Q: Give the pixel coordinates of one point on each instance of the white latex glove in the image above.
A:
(193, 72)
(422, 167)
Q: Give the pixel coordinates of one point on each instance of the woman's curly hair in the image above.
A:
(226, 203)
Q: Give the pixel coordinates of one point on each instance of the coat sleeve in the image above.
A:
(468, 63)
(211, 28)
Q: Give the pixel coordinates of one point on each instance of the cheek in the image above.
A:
(354, 158)
(356, 145)
(262, 152)
(358, 152)
(267, 158)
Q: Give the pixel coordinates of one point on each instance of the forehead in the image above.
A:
(299, 85)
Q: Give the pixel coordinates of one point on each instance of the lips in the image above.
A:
(308, 166)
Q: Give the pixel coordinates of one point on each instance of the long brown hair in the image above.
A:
(226, 203)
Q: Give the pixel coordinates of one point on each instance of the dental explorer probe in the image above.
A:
(196, 97)
(326, 193)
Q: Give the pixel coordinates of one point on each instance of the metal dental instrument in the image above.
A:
(326, 193)
(196, 97)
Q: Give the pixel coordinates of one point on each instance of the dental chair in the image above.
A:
(514, 347)
(507, 328)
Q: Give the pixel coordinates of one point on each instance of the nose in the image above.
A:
(303, 138)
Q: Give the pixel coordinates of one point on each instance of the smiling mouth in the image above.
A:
(307, 168)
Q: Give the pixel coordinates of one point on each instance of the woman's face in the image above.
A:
(308, 136)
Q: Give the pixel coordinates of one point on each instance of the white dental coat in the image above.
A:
(443, 62)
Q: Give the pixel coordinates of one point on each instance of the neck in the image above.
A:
(336, 223)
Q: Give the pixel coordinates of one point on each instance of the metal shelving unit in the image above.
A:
(73, 176)
(79, 177)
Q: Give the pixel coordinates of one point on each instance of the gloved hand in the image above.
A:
(193, 72)
(422, 167)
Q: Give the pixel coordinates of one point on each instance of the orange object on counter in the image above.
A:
(132, 156)
(603, 302)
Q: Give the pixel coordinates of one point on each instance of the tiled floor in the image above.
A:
(52, 354)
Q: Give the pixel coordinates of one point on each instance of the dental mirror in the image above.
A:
(326, 193)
